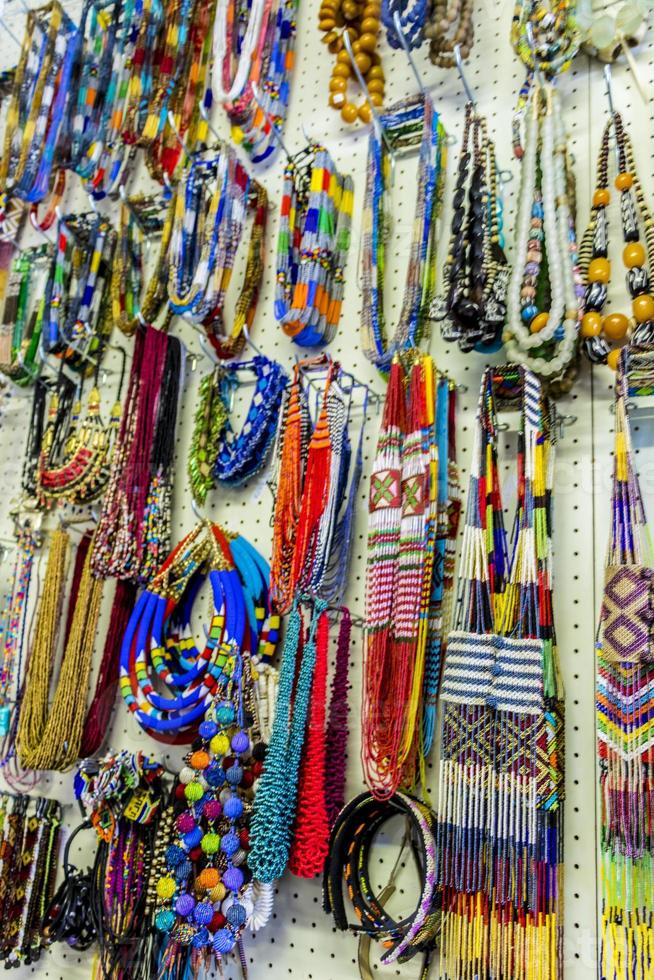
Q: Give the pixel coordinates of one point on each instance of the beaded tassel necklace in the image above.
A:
(472, 304)
(36, 110)
(408, 124)
(500, 855)
(252, 122)
(402, 538)
(544, 298)
(598, 330)
(625, 678)
(312, 247)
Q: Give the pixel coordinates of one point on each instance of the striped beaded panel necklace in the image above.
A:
(500, 830)
(410, 123)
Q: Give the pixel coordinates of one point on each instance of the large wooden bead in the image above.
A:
(601, 197)
(613, 358)
(539, 322)
(624, 181)
(615, 326)
(633, 255)
(643, 308)
(599, 270)
(349, 112)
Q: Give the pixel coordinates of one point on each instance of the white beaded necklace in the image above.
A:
(545, 131)
(245, 61)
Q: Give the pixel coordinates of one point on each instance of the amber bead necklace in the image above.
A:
(362, 22)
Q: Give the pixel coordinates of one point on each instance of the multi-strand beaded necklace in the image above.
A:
(544, 297)
(500, 853)
(600, 330)
(472, 302)
(22, 317)
(408, 528)
(312, 247)
(410, 123)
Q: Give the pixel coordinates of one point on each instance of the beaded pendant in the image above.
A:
(600, 330)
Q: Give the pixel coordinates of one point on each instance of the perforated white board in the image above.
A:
(300, 942)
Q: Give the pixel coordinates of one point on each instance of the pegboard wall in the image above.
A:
(300, 941)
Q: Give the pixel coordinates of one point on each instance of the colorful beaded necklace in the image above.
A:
(408, 124)
(22, 317)
(597, 330)
(312, 247)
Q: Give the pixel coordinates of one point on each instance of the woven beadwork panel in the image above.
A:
(300, 941)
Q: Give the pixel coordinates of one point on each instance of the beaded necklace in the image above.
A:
(545, 270)
(502, 710)
(36, 109)
(252, 122)
(145, 61)
(450, 24)
(169, 49)
(624, 700)
(412, 16)
(361, 23)
(207, 230)
(217, 452)
(599, 331)
(22, 318)
(312, 247)
(555, 34)
(409, 123)
(402, 531)
(472, 303)
(49, 736)
(12, 635)
(159, 638)
(230, 41)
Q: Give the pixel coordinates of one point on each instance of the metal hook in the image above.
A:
(10, 32)
(249, 340)
(376, 120)
(608, 79)
(256, 91)
(207, 350)
(178, 135)
(35, 225)
(407, 50)
(464, 81)
(196, 510)
(94, 206)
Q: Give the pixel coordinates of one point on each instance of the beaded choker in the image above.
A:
(312, 247)
(472, 305)
(598, 330)
(407, 124)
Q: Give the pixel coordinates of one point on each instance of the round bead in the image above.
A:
(179, 791)
(377, 99)
(165, 920)
(257, 769)
(337, 100)
(613, 358)
(193, 792)
(539, 322)
(201, 938)
(186, 775)
(240, 742)
(203, 913)
(233, 879)
(363, 62)
(217, 893)
(365, 113)
(208, 729)
(210, 843)
(599, 270)
(601, 197)
(223, 941)
(624, 181)
(337, 84)
(615, 326)
(183, 870)
(376, 85)
(248, 779)
(591, 324)
(185, 904)
(529, 312)
(368, 42)
(208, 878)
(633, 255)
(234, 775)
(376, 72)
(225, 714)
(229, 844)
(212, 809)
(233, 808)
(214, 775)
(218, 921)
(166, 887)
(341, 70)
(643, 307)
(185, 822)
(236, 915)
(192, 838)
(174, 855)
(199, 760)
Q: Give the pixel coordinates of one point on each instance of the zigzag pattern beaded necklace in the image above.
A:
(312, 247)
(410, 123)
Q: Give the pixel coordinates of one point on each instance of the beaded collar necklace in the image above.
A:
(149, 15)
(312, 247)
(409, 123)
(472, 303)
(638, 255)
(231, 41)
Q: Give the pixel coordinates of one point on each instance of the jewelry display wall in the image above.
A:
(300, 942)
